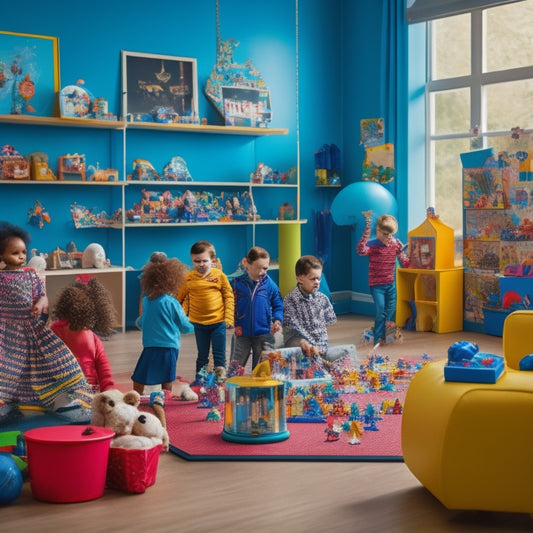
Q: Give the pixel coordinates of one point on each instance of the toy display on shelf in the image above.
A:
(286, 211)
(230, 74)
(175, 170)
(76, 101)
(39, 168)
(71, 167)
(64, 259)
(498, 231)
(328, 165)
(264, 174)
(98, 174)
(84, 217)
(13, 166)
(192, 206)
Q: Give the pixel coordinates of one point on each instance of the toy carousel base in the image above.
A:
(257, 439)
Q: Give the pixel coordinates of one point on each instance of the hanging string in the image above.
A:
(218, 27)
(297, 107)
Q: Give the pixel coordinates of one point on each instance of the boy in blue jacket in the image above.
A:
(258, 308)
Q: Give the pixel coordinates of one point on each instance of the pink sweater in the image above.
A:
(382, 259)
(89, 351)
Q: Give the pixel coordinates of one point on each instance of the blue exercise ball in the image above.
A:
(347, 207)
(10, 479)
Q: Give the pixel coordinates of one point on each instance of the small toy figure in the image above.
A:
(356, 430)
(213, 415)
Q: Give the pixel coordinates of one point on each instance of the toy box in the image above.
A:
(476, 374)
(132, 470)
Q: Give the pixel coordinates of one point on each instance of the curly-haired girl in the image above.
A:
(162, 321)
(85, 312)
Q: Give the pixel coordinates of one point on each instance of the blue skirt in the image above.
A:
(156, 366)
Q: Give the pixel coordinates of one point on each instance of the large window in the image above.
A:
(480, 86)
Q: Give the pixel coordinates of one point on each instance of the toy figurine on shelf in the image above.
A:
(98, 174)
(13, 166)
(39, 168)
(327, 166)
(71, 167)
(286, 211)
(143, 171)
(176, 170)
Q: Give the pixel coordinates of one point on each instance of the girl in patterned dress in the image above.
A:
(37, 370)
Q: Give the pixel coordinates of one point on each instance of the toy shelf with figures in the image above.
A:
(224, 158)
(430, 300)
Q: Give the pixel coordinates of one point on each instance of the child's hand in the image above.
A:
(276, 326)
(40, 307)
(229, 326)
(367, 215)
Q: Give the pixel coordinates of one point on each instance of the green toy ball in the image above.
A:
(10, 479)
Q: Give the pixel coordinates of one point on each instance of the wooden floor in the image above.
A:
(272, 496)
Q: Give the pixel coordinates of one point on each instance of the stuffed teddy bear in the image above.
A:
(147, 432)
(133, 428)
(115, 410)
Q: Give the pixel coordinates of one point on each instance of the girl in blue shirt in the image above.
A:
(162, 322)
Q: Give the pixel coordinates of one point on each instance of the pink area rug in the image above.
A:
(195, 438)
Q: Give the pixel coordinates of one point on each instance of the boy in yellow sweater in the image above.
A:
(207, 299)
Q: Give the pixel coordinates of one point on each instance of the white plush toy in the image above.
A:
(94, 256)
(147, 432)
(115, 410)
(182, 391)
(133, 428)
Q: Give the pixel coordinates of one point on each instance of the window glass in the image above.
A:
(451, 45)
(449, 180)
(450, 111)
(509, 105)
(508, 36)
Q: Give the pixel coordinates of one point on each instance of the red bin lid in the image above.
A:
(69, 434)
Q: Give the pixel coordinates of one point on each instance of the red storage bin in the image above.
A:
(132, 470)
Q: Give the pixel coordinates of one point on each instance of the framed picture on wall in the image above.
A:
(159, 88)
(246, 106)
(29, 74)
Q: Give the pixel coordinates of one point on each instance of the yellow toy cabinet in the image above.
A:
(431, 245)
(430, 291)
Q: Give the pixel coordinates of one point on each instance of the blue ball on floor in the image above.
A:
(10, 479)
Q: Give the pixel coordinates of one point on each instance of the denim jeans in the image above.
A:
(385, 300)
(210, 336)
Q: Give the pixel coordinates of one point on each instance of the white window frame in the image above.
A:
(476, 82)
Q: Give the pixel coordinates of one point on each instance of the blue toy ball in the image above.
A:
(10, 479)
(526, 363)
(348, 205)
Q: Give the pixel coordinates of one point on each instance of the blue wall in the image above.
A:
(339, 81)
